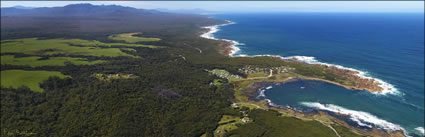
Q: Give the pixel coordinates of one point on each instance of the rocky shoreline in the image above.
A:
(228, 46)
(253, 89)
(361, 83)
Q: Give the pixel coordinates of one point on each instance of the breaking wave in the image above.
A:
(214, 28)
(361, 118)
(262, 90)
(420, 130)
(387, 88)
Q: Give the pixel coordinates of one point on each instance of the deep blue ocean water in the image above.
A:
(388, 46)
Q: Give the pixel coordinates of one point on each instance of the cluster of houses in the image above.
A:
(226, 75)
(253, 69)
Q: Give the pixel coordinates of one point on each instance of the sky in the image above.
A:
(249, 6)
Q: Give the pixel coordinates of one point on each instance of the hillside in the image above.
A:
(86, 70)
(89, 20)
(76, 10)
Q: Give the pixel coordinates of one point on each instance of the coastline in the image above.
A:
(230, 46)
(379, 87)
(255, 89)
(373, 85)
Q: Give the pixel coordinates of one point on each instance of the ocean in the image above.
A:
(385, 46)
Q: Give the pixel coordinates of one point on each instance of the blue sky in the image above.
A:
(250, 6)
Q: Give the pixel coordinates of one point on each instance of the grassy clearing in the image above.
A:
(269, 123)
(241, 96)
(249, 106)
(34, 61)
(130, 38)
(108, 77)
(218, 82)
(345, 132)
(34, 46)
(93, 43)
(257, 74)
(228, 119)
(30, 79)
(229, 123)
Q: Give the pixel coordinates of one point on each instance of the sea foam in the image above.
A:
(262, 90)
(214, 28)
(387, 88)
(361, 118)
(269, 87)
(421, 130)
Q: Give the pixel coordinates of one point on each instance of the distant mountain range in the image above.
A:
(22, 7)
(89, 10)
(76, 10)
(82, 19)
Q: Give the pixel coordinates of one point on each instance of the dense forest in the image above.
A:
(171, 95)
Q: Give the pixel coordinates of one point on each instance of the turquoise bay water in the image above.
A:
(388, 46)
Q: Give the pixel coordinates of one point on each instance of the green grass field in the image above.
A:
(34, 46)
(257, 74)
(34, 61)
(248, 105)
(30, 79)
(228, 118)
(130, 38)
(101, 44)
(269, 123)
(218, 82)
(226, 124)
(345, 132)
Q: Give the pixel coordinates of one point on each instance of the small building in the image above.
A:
(234, 105)
(245, 119)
